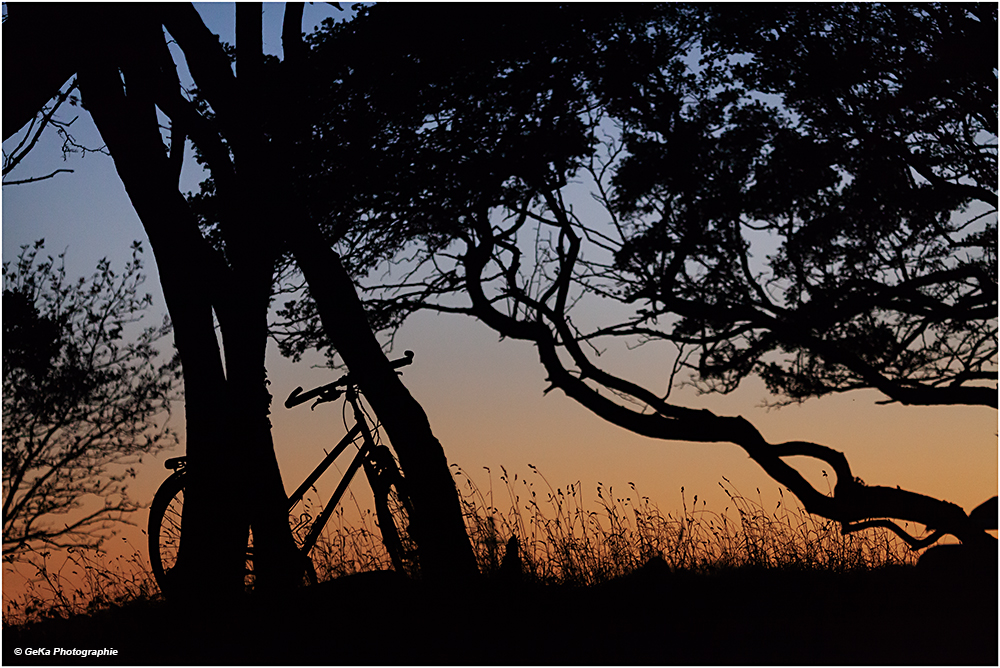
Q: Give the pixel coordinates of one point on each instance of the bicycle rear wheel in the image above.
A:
(164, 529)
(164, 536)
(393, 512)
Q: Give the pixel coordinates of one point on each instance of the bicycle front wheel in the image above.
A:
(393, 511)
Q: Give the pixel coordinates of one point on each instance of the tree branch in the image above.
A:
(36, 178)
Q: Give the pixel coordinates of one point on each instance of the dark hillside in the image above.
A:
(654, 616)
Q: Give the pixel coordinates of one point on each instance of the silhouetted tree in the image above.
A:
(101, 44)
(83, 400)
(280, 141)
(126, 74)
(804, 195)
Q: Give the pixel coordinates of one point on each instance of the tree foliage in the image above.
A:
(824, 234)
(807, 196)
(440, 123)
(83, 399)
(857, 147)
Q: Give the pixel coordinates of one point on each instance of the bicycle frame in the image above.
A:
(361, 459)
(179, 465)
(365, 456)
(380, 467)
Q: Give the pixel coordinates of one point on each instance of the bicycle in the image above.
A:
(392, 503)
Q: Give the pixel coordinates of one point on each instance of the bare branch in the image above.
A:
(36, 178)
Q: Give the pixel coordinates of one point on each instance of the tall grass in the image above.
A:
(346, 546)
(75, 582)
(563, 540)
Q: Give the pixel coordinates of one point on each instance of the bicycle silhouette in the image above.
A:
(392, 504)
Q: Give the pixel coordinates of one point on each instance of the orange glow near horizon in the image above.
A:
(486, 405)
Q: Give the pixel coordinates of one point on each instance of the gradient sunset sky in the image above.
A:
(484, 397)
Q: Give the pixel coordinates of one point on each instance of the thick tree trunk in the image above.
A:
(276, 562)
(252, 253)
(213, 550)
(232, 473)
(437, 524)
(49, 49)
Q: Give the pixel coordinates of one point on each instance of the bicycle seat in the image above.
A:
(175, 463)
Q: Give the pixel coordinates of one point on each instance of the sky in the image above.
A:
(485, 398)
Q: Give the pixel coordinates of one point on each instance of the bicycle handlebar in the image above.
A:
(299, 397)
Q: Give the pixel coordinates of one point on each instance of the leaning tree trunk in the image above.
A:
(50, 47)
(437, 524)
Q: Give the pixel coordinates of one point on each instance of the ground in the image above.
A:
(746, 616)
